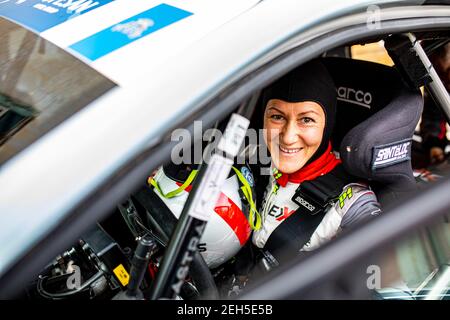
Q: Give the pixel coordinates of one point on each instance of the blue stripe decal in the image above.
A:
(41, 15)
(129, 30)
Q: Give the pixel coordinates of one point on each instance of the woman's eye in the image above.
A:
(307, 120)
(276, 117)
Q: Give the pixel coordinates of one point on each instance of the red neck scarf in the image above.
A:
(322, 165)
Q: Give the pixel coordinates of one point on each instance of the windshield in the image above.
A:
(41, 85)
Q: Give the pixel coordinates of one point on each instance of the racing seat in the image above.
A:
(376, 116)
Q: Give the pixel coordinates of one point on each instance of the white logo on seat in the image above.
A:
(358, 97)
(390, 154)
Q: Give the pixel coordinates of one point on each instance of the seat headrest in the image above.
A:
(376, 117)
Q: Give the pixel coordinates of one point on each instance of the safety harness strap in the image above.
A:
(313, 198)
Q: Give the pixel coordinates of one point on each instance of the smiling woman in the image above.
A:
(294, 132)
(299, 116)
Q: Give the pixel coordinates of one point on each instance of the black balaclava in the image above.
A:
(309, 82)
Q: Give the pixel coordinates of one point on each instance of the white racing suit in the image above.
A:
(356, 203)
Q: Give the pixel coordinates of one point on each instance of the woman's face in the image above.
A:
(293, 132)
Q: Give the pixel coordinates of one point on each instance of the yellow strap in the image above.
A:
(254, 218)
(177, 191)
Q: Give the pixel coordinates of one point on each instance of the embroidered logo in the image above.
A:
(389, 154)
(301, 201)
(248, 176)
(347, 194)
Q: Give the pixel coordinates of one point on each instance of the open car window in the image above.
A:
(106, 260)
(153, 213)
(41, 85)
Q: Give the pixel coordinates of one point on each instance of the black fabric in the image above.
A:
(286, 240)
(309, 82)
(326, 187)
(292, 234)
(396, 122)
(375, 108)
(412, 69)
(363, 88)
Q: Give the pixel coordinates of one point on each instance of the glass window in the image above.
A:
(418, 266)
(41, 85)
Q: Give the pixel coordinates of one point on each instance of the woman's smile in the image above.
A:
(289, 151)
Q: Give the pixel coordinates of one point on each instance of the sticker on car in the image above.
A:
(41, 15)
(129, 30)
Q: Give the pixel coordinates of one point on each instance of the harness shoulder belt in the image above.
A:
(313, 198)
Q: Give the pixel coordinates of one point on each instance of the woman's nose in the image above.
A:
(289, 134)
